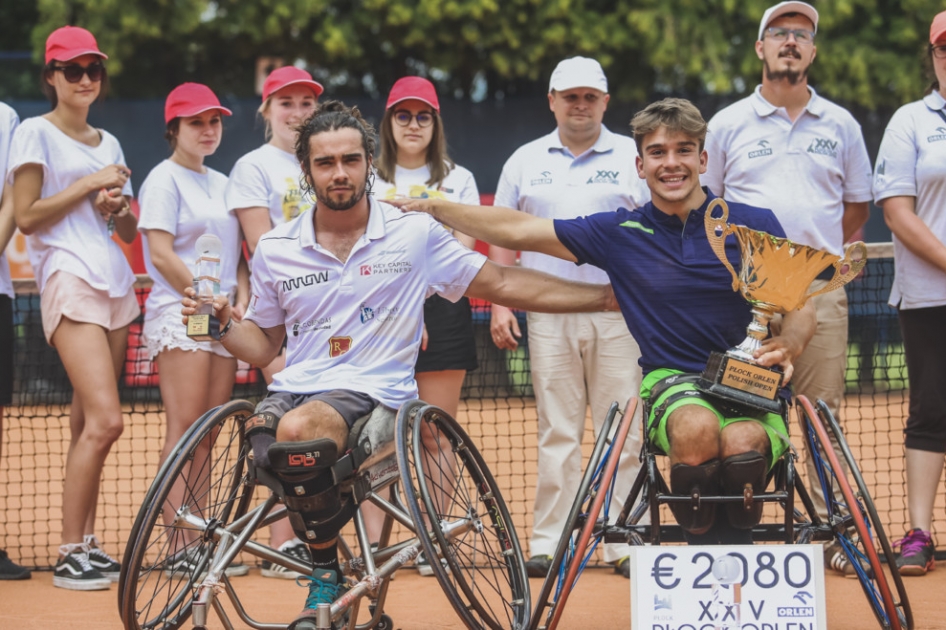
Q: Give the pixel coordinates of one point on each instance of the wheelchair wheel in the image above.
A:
(855, 523)
(461, 517)
(580, 538)
(206, 479)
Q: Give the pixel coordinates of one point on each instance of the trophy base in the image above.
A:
(741, 382)
(202, 327)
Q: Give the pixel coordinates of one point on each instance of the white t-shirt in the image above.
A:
(186, 204)
(912, 163)
(544, 179)
(458, 186)
(79, 242)
(356, 325)
(268, 177)
(8, 123)
(803, 171)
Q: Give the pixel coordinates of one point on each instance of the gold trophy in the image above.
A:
(775, 276)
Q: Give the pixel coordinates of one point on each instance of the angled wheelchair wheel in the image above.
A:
(853, 518)
(201, 487)
(461, 517)
(582, 532)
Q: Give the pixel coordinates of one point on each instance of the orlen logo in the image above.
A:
(337, 346)
(366, 270)
(306, 460)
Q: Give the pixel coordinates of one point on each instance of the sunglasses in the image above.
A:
(73, 72)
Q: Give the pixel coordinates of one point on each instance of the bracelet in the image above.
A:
(225, 330)
(124, 211)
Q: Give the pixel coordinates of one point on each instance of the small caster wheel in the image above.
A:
(385, 624)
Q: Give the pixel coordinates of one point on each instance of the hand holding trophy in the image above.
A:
(203, 325)
(775, 276)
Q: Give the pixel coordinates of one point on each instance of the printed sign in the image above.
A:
(732, 587)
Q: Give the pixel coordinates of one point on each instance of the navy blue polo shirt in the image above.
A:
(675, 294)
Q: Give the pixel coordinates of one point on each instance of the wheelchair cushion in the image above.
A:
(695, 481)
(736, 473)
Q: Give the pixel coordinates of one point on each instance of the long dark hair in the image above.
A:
(50, 92)
(438, 162)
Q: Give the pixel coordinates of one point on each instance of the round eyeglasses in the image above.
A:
(403, 118)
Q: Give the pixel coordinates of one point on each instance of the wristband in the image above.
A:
(225, 330)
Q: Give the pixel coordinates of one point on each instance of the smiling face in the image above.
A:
(199, 136)
(671, 162)
(579, 110)
(338, 168)
(285, 110)
(787, 60)
(80, 94)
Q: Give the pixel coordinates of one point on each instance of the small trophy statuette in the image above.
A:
(203, 324)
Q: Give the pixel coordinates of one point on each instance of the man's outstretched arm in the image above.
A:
(496, 225)
(533, 290)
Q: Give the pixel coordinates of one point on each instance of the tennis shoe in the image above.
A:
(101, 561)
(538, 566)
(295, 548)
(323, 589)
(916, 553)
(188, 561)
(74, 572)
(9, 570)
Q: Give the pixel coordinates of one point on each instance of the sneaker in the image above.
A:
(186, 562)
(424, 568)
(295, 548)
(836, 560)
(323, 589)
(9, 570)
(916, 553)
(623, 567)
(74, 572)
(538, 566)
(101, 561)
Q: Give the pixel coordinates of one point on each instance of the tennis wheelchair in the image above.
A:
(852, 520)
(209, 499)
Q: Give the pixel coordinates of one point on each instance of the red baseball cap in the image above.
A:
(938, 27)
(407, 88)
(289, 75)
(68, 42)
(190, 99)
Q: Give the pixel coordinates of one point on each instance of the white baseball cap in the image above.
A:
(782, 8)
(578, 72)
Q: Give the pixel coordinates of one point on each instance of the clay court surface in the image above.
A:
(35, 441)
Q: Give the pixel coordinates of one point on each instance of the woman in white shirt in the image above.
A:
(413, 162)
(181, 199)
(910, 186)
(71, 192)
(264, 192)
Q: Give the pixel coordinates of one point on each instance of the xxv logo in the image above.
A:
(823, 146)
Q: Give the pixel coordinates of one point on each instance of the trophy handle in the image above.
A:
(855, 257)
(718, 241)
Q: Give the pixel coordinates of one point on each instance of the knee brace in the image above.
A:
(313, 499)
(695, 481)
(744, 475)
(260, 432)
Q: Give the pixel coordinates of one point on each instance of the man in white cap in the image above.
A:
(786, 148)
(581, 360)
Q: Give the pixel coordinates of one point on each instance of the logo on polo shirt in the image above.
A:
(763, 150)
(604, 177)
(381, 313)
(545, 177)
(823, 146)
(635, 225)
(940, 135)
(322, 323)
(337, 346)
(305, 281)
(397, 266)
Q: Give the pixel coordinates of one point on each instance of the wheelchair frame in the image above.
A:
(201, 512)
(852, 521)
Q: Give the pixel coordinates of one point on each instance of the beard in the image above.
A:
(792, 76)
(345, 203)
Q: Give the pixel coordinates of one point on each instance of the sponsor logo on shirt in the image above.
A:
(940, 135)
(380, 313)
(604, 177)
(322, 323)
(337, 346)
(545, 177)
(636, 226)
(823, 146)
(397, 266)
(305, 281)
(762, 151)
(881, 168)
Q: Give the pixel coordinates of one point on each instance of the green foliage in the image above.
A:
(870, 52)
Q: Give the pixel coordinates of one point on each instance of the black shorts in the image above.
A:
(6, 350)
(450, 343)
(349, 404)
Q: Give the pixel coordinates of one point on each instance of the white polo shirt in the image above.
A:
(544, 179)
(912, 163)
(186, 204)
(268, 177)
(804, 171)
(8, 123)
(356, 325)
(79, 242)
